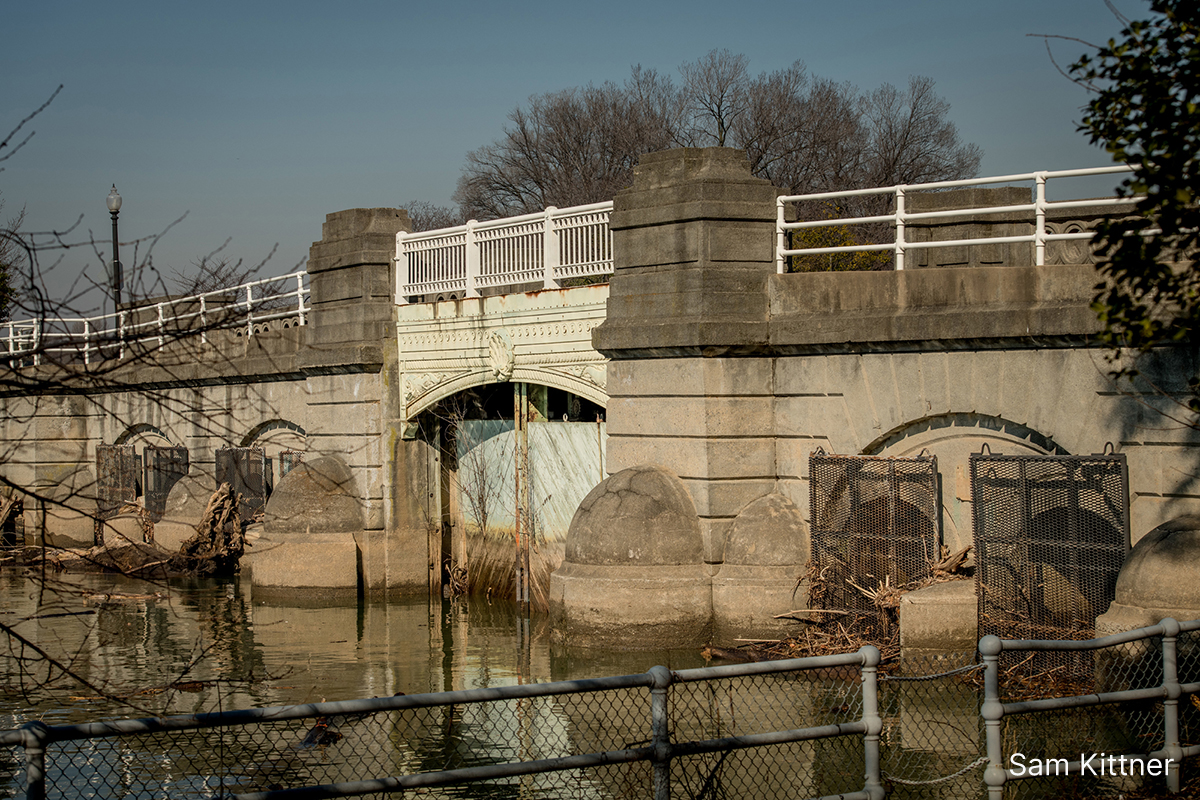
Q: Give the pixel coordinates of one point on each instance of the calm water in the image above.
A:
(226, 649)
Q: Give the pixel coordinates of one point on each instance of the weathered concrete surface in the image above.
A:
(939, 620)
(765, 556)
(1158, 579)
(311, 565)
(633, 574)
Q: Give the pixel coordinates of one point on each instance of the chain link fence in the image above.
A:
(921, 729)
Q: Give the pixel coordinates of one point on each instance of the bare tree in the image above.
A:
(911, 139)
(802, 132)
(427, 216)
(568, 148)
(716, 93)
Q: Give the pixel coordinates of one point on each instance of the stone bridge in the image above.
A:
(702, 356)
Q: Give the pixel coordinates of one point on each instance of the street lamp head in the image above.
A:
(114, 200)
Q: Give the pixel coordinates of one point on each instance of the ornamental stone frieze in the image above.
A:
(544, 336)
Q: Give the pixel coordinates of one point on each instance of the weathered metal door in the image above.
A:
(1051, 534)
(164, 467)
(874, 526)
(118, 469)
(248, 471)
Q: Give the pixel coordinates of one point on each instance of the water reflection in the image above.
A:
(195, 646)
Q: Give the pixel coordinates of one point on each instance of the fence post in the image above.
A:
(549, 249)
(780, 239)
(1039, 221)
(402, 276)
(660, 732)
(873, 784)
(35, 734)
(993, 716)
(899, 228)
(249, 312)
(300, 297)
(87, 341)
(472, 258)
(162, 324)
(1171, 747)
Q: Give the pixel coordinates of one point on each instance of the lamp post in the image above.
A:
(114, 207)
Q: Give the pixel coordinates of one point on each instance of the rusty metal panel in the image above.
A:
(874, 523)
(164, 467)
(1051, 534)
(118, 469)
(289, 460)
(248, 471)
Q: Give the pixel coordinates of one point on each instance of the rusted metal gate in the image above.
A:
(248, 471)
(874, 524)
(164, 466)
(118, 470)
(1051, 534)
(289, 460)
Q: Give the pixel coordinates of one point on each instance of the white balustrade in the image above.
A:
(155, 324)
(900, 217)
(540, 249)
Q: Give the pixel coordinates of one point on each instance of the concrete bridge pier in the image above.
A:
(690, 392)
(354, 416)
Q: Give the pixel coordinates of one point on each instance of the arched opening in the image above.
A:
(515, 461)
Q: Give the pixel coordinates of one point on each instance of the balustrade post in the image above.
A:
(403, 279)
(121, 334)
(300, 297)
(87, 341)
(204, 318)
(1039, 234)
(249, 312)
(899, 228)
(550, 250)
(780, 239)
(472, 258)
(162, 324)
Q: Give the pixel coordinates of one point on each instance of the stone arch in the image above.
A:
(275, 436)
(965, 422)
(144, 433)
(264, 429)
(555, 379)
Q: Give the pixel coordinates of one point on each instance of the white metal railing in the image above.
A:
(546, 248)
(245, 307)
(900, 217)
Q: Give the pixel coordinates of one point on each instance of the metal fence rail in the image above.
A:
(1135, 672)
(544, 248)
(636, 735)
(248, 308)
(899, 217)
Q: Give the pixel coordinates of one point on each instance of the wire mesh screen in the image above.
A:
(1051, 534)
(289, 460)
(874, 525)
(164, 467)
(248, 471)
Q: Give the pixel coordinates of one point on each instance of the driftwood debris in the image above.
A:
(219, 543)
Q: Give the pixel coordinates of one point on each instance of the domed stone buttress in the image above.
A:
(634, 575)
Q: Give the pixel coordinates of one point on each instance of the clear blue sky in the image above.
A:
(258, 118)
